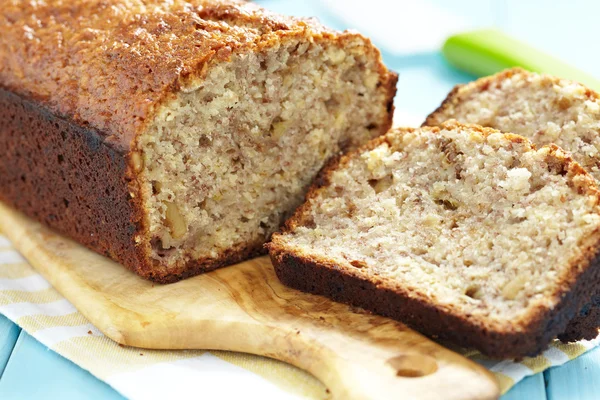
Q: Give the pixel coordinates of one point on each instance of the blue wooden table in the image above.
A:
(28, 370)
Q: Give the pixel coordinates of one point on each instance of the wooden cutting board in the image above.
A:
(244, 308)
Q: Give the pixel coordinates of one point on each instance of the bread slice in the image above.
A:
(175, 137)
(462, 232)
(544, 109)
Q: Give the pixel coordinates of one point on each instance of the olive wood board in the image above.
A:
(245, 308)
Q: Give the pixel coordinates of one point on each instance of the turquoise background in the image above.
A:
(28, 370)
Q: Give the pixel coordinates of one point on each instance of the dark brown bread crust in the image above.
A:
(328, 279)
(335, 283)
(80, 81)
(67, 177)
(586, 324)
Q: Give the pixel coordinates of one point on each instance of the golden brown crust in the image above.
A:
(389, 87)
(101, 69)
(109, 64)
(388, 298)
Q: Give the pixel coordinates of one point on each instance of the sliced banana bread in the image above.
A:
(175, 136)
(544, 109)
(462, 232)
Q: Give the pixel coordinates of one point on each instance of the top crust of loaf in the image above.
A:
(526, 335)
(110, 64)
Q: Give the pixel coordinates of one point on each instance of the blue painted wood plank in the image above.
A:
(530, 388)
(9, 332)
(35, 372)
(576, 380)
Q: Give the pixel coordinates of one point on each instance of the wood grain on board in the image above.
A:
(245, 308)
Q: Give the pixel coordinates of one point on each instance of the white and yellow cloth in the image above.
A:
(28, 299)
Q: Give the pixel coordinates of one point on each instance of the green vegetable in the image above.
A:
(488, 51)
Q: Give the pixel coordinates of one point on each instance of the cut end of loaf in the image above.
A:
(227, 160)
(463, 232)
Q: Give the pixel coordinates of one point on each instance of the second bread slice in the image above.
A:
(545, 109)
(462, 232)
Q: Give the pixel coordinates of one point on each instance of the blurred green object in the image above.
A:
(488, 51)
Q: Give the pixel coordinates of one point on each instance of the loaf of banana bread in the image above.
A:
(545, 109)
(463, 232)
(175, 137)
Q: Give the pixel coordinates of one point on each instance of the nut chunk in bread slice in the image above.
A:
(545, 109)
(462, 232)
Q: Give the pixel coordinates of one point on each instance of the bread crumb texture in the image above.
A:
(225, 162)
(476, 222)
(541, 107)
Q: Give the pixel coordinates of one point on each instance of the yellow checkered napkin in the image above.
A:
(28, 299)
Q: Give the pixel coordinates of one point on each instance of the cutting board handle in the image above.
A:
(357, 355)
